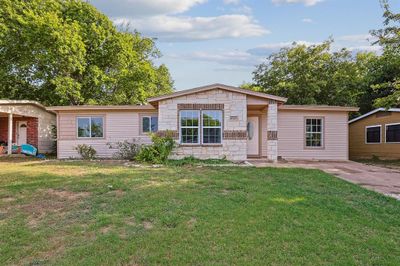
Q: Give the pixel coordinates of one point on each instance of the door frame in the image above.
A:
(259, 136)
(18, 127)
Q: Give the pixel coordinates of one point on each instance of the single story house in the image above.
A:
(214, 121)
(26, 122)
(376, 133)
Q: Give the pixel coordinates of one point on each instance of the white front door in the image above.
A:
(253, 137)
(21, 132)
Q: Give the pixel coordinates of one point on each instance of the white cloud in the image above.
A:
(305, 2)
(122, 8)
(231, 2)
(307, 20)
(174, 28)
(267, 49)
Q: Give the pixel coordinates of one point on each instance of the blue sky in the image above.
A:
(210, 41)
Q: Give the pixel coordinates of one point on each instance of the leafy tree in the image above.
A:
(388, 82)
(312, 75)
(65, 52)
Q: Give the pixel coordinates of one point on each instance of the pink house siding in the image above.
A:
(291, 134)
(118, 126)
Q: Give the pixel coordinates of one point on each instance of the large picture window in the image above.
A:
(190, 126)
(203, 127)
(90, 127)
(393, 133)
(212, 127)
(314, 132)
(149, 124)
(373, 134)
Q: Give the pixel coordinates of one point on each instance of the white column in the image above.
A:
(10, 133)
(272, 128)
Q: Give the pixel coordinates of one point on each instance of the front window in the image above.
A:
(393, 133)
(314, 132)
(200, 126)
(90, 127)
(373, 134)
(149, 124)
(190, 126)
(212, 127)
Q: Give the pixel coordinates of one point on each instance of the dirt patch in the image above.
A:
(192, 222)
(8, 199)
(105, 230)
(69, 195)
(51, 202)
(147, 225)
(130, 221)
(118, 193)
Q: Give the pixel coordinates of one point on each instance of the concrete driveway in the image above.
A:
(379, 179)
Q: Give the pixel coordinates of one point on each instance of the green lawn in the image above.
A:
(63, 213)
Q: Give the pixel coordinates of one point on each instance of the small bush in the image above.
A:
(126, 150)
(158, 152)
(87, 152)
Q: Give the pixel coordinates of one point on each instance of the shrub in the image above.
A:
(190, 160)
(87, 152)
(158, 152)
(126, 150)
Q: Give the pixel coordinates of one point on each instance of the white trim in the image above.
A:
(311, 132)
(150, 118)
(198, 127)
(380, 135)
(90, 126)
(391, 124)
(373, 112)
(220, 127)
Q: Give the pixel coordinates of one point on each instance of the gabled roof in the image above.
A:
(373, 112)
(217, 86)
(319, 108)
(101, 107)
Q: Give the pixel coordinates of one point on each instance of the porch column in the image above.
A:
(10, 133)
(272, 131)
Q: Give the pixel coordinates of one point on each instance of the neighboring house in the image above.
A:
(26, 122)
(376, 133)
(215, 121)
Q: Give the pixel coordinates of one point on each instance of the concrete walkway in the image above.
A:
(379, 179)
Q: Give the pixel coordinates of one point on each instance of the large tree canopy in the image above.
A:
(63, 52)
(388, 81)
(313, 74)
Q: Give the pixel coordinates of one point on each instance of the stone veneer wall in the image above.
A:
(234, 145)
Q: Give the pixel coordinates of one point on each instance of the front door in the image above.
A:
(21, 132)
(253, 137)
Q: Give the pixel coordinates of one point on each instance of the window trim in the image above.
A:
(90, 122)
(322, 147)
(391, 124)
(198, 127)
(220, 127)
(141, 123)
(380, 135)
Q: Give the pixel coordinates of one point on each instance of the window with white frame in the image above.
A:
(149, 124)
(203, 127)
(189, 122)
(373, 134)
(212, 126)
(90, 127)
(393, 133)
(314, 132)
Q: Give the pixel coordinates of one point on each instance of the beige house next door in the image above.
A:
(253, 136)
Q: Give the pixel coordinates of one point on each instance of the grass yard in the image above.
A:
(69, 213)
